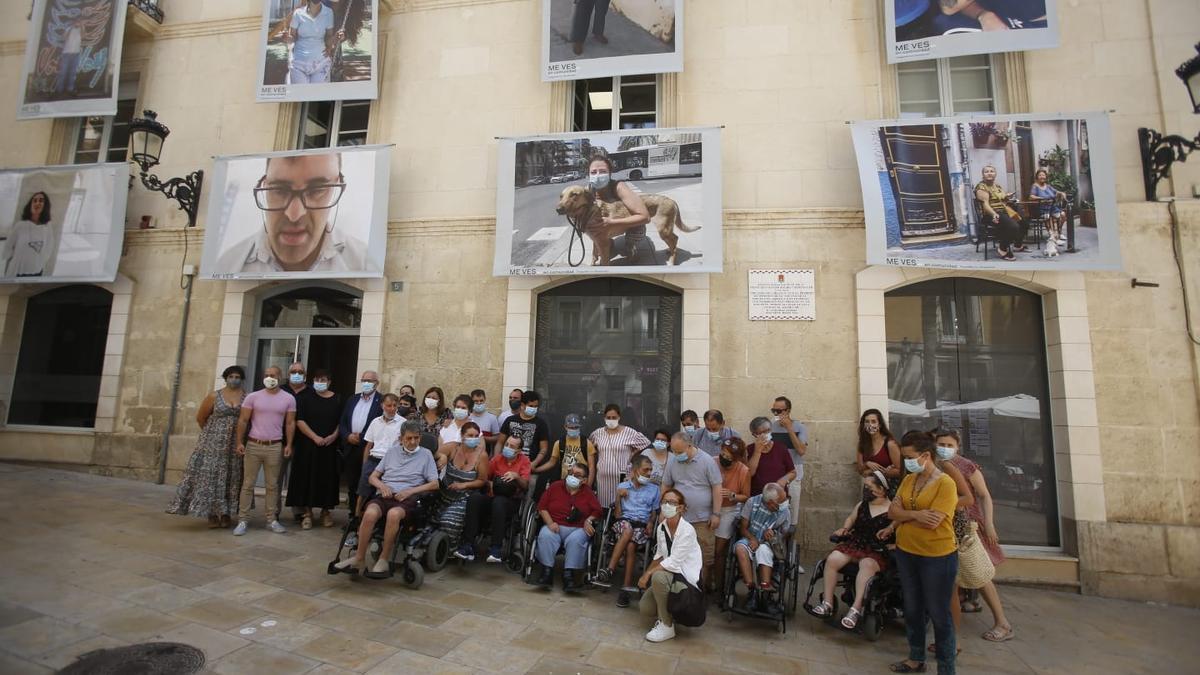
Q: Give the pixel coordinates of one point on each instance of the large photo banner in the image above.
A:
(72, 58)
(298, 215)
(318, 50)
(583, 39)
(938, 29)
(62, 224)
(1011, 192)
(646, 202)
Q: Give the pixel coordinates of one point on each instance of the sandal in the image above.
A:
(999, 634)
(306, 524)
(824, 609)
(851, 619)
(326, 519)
(903, 667)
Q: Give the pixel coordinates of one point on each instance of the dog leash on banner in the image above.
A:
(577, 227)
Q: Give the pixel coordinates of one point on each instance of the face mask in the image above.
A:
(867, 495)
(531, 410)
(611, 424)
(479, 408)
(669, 510)
(405, 448)
(270, 382)
(572, 433)
(598, 181)
(234, 383)
(296, 378)
(660, 445)
(404, 411)
(764, 437)
(714, 435)
(459, 413)
(513, 405)
(367, 387)
(472, 442)
(871, 428)
(726, 462)
(945, 452)
(389, 416)
(689, 428)
(681, 457)
(508, 452)
(644, 480)
(431, 403)
(321, 387)
(775, 418)
(574, 482)
(912, 465)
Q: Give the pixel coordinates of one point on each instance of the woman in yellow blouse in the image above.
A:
(926, 552)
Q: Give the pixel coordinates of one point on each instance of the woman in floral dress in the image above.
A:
(213, 477)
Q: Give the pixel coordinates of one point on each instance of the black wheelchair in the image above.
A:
(420, 545)
(883, 599)
(776, 604)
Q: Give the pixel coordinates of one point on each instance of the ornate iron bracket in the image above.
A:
(1158, 154)
(185, 191)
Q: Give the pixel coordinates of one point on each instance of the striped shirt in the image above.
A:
(613, 452)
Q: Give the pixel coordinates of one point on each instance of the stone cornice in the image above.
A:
(12, 48)
(169, 236)
(205, 28)
(793, 219)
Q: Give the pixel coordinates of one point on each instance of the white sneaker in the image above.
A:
(347, 564)
(381, 567)
(275, 527)
(240, 529)
(661, 632)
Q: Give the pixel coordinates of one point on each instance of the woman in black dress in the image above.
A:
(314, 482)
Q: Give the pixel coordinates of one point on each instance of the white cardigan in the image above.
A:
(685, 557)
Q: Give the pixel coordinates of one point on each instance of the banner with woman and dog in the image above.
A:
(1031, 192)
(318, 50)
(597, 202)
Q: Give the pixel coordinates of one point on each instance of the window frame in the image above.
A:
(129, 83)
(943, 77)
(618, 86)
(334, 130)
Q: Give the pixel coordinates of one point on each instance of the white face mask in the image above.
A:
(945, 452)
(598, 181)
(270, 382)
(612, 424)
(431, 403)
(459, 413)
(669, 510)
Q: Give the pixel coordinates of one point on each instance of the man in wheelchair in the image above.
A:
(406, 472)
(568, 509)
(765, 518)
(633, 524)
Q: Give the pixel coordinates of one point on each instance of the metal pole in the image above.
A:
(166, 438)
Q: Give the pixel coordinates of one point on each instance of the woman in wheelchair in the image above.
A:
(863, 539)
(764, 518)
(405, 473)
(637, 502)
(509, 474)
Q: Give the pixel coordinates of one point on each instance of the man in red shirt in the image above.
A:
(510, 470)
(569, 510)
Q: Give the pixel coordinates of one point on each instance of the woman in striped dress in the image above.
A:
(466, 473)
(615, 445)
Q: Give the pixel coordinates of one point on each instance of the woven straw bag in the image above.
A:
(975, 568)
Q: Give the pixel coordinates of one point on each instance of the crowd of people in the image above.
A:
(690, 491)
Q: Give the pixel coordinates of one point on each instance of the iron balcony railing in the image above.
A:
(150, 7)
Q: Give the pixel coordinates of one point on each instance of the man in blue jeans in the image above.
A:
(568, 509)
(592, 12)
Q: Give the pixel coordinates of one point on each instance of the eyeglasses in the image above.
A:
(777, 411)
(314, 197)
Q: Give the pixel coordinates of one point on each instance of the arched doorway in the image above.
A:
(317, 325)
(609, 340)
(970, 355)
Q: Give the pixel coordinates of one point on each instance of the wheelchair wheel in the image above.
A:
(437, 551)
(872, 626)
(791, 596)
(515, 562)
(413, 575)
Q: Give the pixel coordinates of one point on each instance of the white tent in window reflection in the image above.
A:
(1017, 405)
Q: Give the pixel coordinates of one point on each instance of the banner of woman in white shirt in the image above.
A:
(318, 50)
(62, 223)
(72, 58)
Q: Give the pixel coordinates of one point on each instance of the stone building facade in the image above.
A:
(783, 78)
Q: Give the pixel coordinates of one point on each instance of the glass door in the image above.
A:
(315, 325)
(281, 352)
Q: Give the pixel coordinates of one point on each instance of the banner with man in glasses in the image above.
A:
(307, 214)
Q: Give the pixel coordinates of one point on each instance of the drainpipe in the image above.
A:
(189, 273)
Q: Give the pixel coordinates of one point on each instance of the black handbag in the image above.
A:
(685, 602)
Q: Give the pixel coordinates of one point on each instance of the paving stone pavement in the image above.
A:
(93, 562)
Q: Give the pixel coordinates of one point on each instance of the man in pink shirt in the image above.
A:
(268, 414)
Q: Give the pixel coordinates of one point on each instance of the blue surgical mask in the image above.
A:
(233, 382)
(321, 387)
(367, 387)
(472, 442)
(945, 452)
(714, 435)
(660, 445)
(644, 480)
(599, 181)
(912, 465)
(459, 413)
(508, 452)
(689, 428)
(574, 482)
(531, 410)
(296, 378)
(572, 433)
(479, 408)
(681, 457)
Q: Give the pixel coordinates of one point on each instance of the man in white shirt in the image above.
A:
(381, 435)
(356, 417)
(489, 425)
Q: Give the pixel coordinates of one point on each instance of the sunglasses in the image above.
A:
(777, 411)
